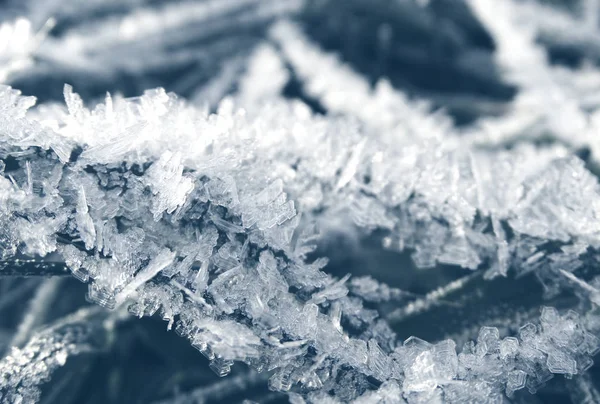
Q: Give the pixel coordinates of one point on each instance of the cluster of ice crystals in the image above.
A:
(451, 204)
(214, 247)
(24, 369)
(492, 365)
(209, 219)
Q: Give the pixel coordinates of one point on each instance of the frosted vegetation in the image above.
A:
(214, 211)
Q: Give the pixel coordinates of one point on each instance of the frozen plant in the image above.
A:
(211, 213)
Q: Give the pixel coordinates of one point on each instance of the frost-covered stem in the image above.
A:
(220, 390)
(23, 370)
(431, 299)
(39, 305)
(592, 292)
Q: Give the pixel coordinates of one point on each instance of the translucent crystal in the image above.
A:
(515, 381)
(85, 223)
(561, 364)
(488, 340)
(509, 347)
(168, 183)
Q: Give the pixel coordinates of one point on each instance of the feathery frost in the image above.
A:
(213, 219)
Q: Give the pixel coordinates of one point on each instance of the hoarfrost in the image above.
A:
(235, 235)
(209, 219)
